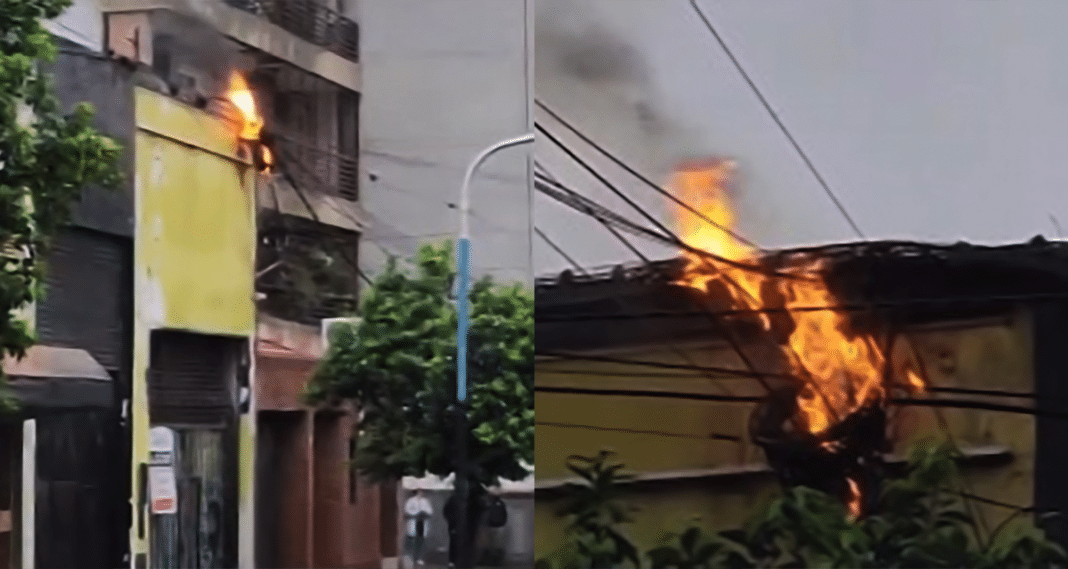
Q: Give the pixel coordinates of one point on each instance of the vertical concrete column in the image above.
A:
(308, 464)
(29, 494)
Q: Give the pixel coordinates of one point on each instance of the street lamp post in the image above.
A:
(463, 268)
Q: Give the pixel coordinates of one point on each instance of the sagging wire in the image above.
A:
(710, 436)
(678, 351)
(644, 179)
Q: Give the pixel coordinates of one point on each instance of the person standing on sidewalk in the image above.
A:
(417, 512)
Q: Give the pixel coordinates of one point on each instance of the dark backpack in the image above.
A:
(496, 512)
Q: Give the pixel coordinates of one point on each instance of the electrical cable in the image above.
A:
(678, 351)
(599, 148)
(311, 210)
(591, 208)
(851, 307)
(598, 212)
(909, 401)
(742, 374)
(778, 121)
(678, 242)
(727, 332)
(558, 250)
(711, 436)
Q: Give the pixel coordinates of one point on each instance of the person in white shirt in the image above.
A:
(417, 512)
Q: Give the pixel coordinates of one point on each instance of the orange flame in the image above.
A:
(841, 370)
(241, 96)
(853, 502)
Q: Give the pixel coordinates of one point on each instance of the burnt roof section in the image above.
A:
(905, 281)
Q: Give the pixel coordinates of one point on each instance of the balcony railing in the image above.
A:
(319, 169)
(310, 21)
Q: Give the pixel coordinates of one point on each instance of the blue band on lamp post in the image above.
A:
(463, 268)
(463, 265)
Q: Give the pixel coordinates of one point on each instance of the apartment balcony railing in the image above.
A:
(310, 21)
(319, 169)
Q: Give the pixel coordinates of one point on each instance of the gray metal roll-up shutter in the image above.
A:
(191, 380)
(86, 288)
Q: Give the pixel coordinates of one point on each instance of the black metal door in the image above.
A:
(198, 535)
(86, 295)
(78, 465)
(88, 305)
(192, 388)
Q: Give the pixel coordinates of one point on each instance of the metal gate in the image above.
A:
(197, 536)
(192, 386)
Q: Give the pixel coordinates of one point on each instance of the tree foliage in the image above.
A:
(594, 512)
(46, 157)
(399, 365)
(919, 522)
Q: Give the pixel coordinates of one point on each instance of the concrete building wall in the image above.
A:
(441, 81)
(81, 75)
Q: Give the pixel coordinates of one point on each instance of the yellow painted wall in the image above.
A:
(194, 257)
(990, 354)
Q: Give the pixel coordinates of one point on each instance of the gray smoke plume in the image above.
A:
(571, 37)
(588, 46)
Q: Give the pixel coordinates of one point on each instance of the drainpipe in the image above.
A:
(463, 267)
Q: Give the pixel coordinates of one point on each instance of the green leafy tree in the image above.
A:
(918, 522)
(399, 365)
(46, 157)
(595, 513)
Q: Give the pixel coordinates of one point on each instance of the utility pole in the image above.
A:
(463, 267)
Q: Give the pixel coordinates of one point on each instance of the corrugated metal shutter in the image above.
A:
(85, 290)
(190, 381)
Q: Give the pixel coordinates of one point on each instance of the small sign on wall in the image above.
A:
(162, 486)
(163, 490)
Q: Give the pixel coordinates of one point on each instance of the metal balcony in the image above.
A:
(310, 21)
(317, 168)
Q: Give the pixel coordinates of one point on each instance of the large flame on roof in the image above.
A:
(251, 128)
(840, 371)
(240, 95)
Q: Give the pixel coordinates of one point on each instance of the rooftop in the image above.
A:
(907, 281)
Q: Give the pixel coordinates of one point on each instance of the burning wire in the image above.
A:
(905, 401)
(675, 240)
(852, 307)
(678, 351)
(778, 121)
(630, 170)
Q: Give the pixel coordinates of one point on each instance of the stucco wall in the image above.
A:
(194, 250)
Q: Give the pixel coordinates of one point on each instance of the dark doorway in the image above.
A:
(193, 381)
(79, 463)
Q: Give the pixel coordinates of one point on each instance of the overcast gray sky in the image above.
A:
(932, 120)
